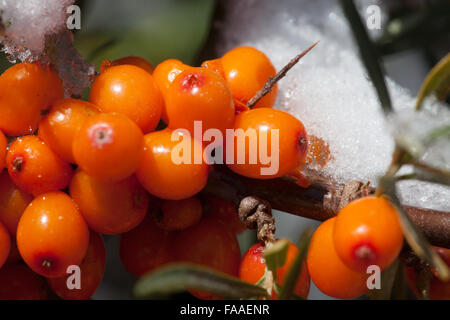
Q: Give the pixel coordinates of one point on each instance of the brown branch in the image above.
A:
(280, 74)
(320, 201)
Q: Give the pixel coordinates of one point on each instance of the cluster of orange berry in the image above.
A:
(78, 169)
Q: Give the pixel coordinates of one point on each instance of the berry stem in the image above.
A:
(280, 74)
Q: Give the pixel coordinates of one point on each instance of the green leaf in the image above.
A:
(296, 268)
(436, 83)
(177, 278)
(368, 53)
(275, 255)
(413, 236)
(438, 133)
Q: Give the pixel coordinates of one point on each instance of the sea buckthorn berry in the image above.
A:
(3, 146)
(327, 270)
(58, 128)
(199, 94)
(145, 248)
(161, 176)
(225, 211)
(164, 74)
(438, 290)
(215, 65)
(5, 244)
(13, 203)
(20, 283)
(92, 269)
(209, 243)
(52, 234)
(179, 214)
(247, 70)
(109, 207)
(109, 146)
(268, 143)
(368, 232)
(27, 90)
(132, 60)
(35, 168)
(252, 269)
(131, 91)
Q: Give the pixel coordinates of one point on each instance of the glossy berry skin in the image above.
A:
(131, 60)
(179, 214)
(109, 207)
(52, 235)
(164, 74)
(161, 176)
(145, 248)
(327, 270)
(13, 203)
(20, 283)
(129, 90)
(5, 244)
(247, 70)
(92, 269)
(209, 243)
(35, 168)
(438, 290)
(225, 211)
(3, 146)
(27, 90)
(291, 146)
(199, 94)
(59, 127)
(368, 232)
(216, 66)
(109, 146)
(252, 269)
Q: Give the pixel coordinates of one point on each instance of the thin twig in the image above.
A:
(273, 80)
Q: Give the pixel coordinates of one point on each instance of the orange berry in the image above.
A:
(35, 168)
(5, 244)
(438, 290)
(3, 147)
(27, 90)
(215, 65)
(20, 283)
(92, 269)
(161, 176)
(209, 243)
(327, 270)
(164, 74)
(109, 207)
(247, 70)
(13, 203)
(52, 235)
(180, 214)
(199, 94)
(132, 60)
(287, 150)
(145, 248)
(252, 269)
(58, 128)
(225, 211)
(129, 90)
(109, 146)
(368, 232)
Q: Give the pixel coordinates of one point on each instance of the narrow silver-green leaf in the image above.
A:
(387, 282)
(415, 239)
(275, 255)
(296, 268)
(177, 278)
(436, 83)
(368, 53)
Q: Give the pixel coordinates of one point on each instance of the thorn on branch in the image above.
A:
(280, 74)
